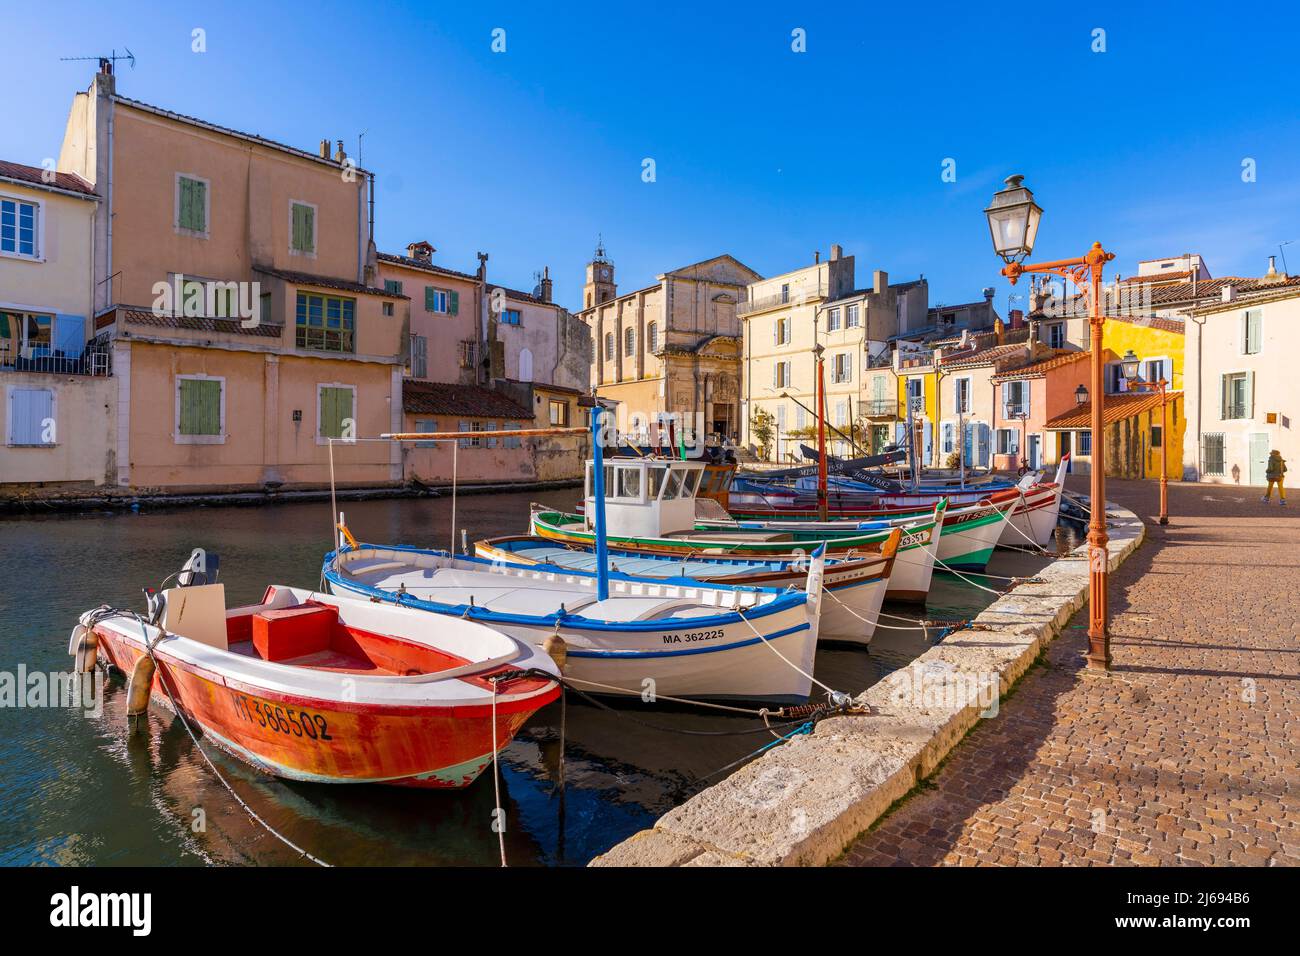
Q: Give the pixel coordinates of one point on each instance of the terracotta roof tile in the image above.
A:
(1116, 408)
(423, 266)
(69, 182)
(326, 282)
(986, 356)
(1041, 367)
(472, 401)
(223, 326)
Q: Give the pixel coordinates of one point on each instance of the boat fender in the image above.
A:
(87, 652)
(138, 690)
(557, 650)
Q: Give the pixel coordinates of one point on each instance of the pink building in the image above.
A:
(1026, 398)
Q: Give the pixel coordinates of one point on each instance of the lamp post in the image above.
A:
(1129, 364)
(1013, 219)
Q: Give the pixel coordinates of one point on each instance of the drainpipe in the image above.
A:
(108, 245)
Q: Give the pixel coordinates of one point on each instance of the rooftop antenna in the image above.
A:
(360, 136)
(1283, 253)
(111, 58)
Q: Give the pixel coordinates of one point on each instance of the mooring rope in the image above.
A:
(768, 644)
(144, 637)
(496, 781)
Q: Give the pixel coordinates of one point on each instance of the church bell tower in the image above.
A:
(600, 285)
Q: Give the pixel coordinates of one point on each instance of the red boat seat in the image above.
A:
(284, 634)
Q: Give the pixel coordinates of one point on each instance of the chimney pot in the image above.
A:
(836, 251)
(879, 281)
(339, 155)
(817, 256)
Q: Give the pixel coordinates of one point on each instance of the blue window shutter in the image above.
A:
(28, 410)
(70, 335)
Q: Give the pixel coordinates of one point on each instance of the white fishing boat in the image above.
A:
(1035, 517)
(631, 636)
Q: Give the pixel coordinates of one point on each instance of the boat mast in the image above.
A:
(821, 434)
(598, 505)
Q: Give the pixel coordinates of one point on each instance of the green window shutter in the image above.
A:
(335, 409)
(295, 239)
(308, 229)
(428, 298)
(192, 202)
(200, 406)
(454, 307)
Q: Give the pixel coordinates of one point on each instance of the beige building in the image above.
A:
(1242, 397)
(671, 347)
(786, 317)
(57, 401)
(235, 289)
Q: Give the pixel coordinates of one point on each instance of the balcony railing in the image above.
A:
(93, 361)
(797, 296)
(879, 408)
(1015, 410)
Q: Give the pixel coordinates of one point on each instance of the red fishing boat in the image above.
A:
(318, 688)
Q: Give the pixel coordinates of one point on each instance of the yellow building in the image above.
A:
(671, 347)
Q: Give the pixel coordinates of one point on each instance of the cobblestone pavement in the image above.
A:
(1187, 753)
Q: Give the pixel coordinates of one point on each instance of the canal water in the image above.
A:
(78, 790)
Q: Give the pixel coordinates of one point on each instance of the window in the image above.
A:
(851, 319)
(326, 323)
(302, 229)
(652, 336)
(781, 375)
(1056, 335)
(1251, 327)
(513, 441)
(1157, 436)
(780, 417)
(419, 366)
(468, 353)
(510, 317)
(335, 412)
(393, 286)
(388, 309)
(1212, 453)
(1236, 396)
(200, 410)
(559, 413)
(1154, 371)
(31, 417)
(192, 205)
(949, 320)
(1084, 443)
(842, 368)
(781, 331)
(609, 346)
(525, 365)
(800, 417)
(490, 441)
(961, 398)
(426, 425)
(1008, 441)
(1115, 380)
(472, 428)
(785, 292)
(946, 438)
(441, 301)
(20, 228)
(916, 393)
(1015, 398)
(841, 413)
(833, 320)
(629, 341)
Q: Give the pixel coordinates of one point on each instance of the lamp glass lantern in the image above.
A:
(1013, 220)
(1081, 395)
(1129, 363)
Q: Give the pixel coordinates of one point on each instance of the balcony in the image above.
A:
(93, 361)
(799, 296)
(1015, 410)
(885, 408)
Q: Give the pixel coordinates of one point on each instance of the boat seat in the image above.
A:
(644, 609)
(291, 632)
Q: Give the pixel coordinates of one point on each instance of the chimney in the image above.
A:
(1229, 293)
(339, 155)
(836, 251)
(546, 284)
(879, 281)
(989, 292)
(1017, 318)
(964, 343)
(324, 149)
(420, 251)
(817, 256)
(1033, 335)
(999, 331)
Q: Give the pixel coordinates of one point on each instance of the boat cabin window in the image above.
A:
(629, 483)
(656, 476)
(673, 486)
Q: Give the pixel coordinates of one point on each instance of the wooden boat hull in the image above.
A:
(909, 580)
(316, 738)
(721, 656)
(1035, 518)
(855, 589)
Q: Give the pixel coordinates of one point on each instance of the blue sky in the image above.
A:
(759, 151)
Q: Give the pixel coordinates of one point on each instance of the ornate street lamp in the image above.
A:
(1129, 363)
(1013, 224)
(1081, 395)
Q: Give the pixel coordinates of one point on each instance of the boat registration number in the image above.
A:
(282, 720)
(693, 637)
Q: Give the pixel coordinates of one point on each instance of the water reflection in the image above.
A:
(92, 791)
